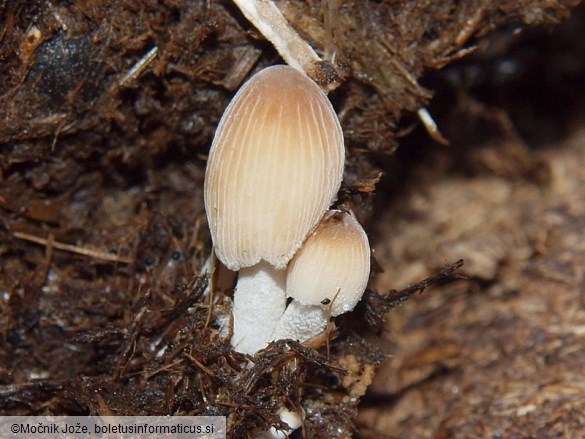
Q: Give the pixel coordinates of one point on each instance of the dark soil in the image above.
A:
(107, 110)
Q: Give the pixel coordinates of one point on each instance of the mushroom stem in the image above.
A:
(259, 302)
(301, 322)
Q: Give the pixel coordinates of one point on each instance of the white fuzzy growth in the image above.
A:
(292, 419)
(259, 302)
(301, 322)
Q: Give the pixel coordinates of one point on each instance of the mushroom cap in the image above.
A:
(333, 266)
(274, 167)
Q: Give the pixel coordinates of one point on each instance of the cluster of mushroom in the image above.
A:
(274, 170)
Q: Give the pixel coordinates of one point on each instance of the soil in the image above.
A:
(107, 111)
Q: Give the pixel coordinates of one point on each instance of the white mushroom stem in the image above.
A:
(301, 322)
(259, 302)
(268, 19)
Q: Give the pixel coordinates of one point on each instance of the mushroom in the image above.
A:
(274, 168)
(327, 277)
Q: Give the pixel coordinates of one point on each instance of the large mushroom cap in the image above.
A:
(275, 166)
(333, 266)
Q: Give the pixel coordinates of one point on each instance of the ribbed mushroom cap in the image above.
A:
(332, 266)
(274, 167)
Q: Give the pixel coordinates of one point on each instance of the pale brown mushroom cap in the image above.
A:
(274, 167)
(333, 265)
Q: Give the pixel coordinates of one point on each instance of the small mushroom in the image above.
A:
(274, 167)
(327, 277)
